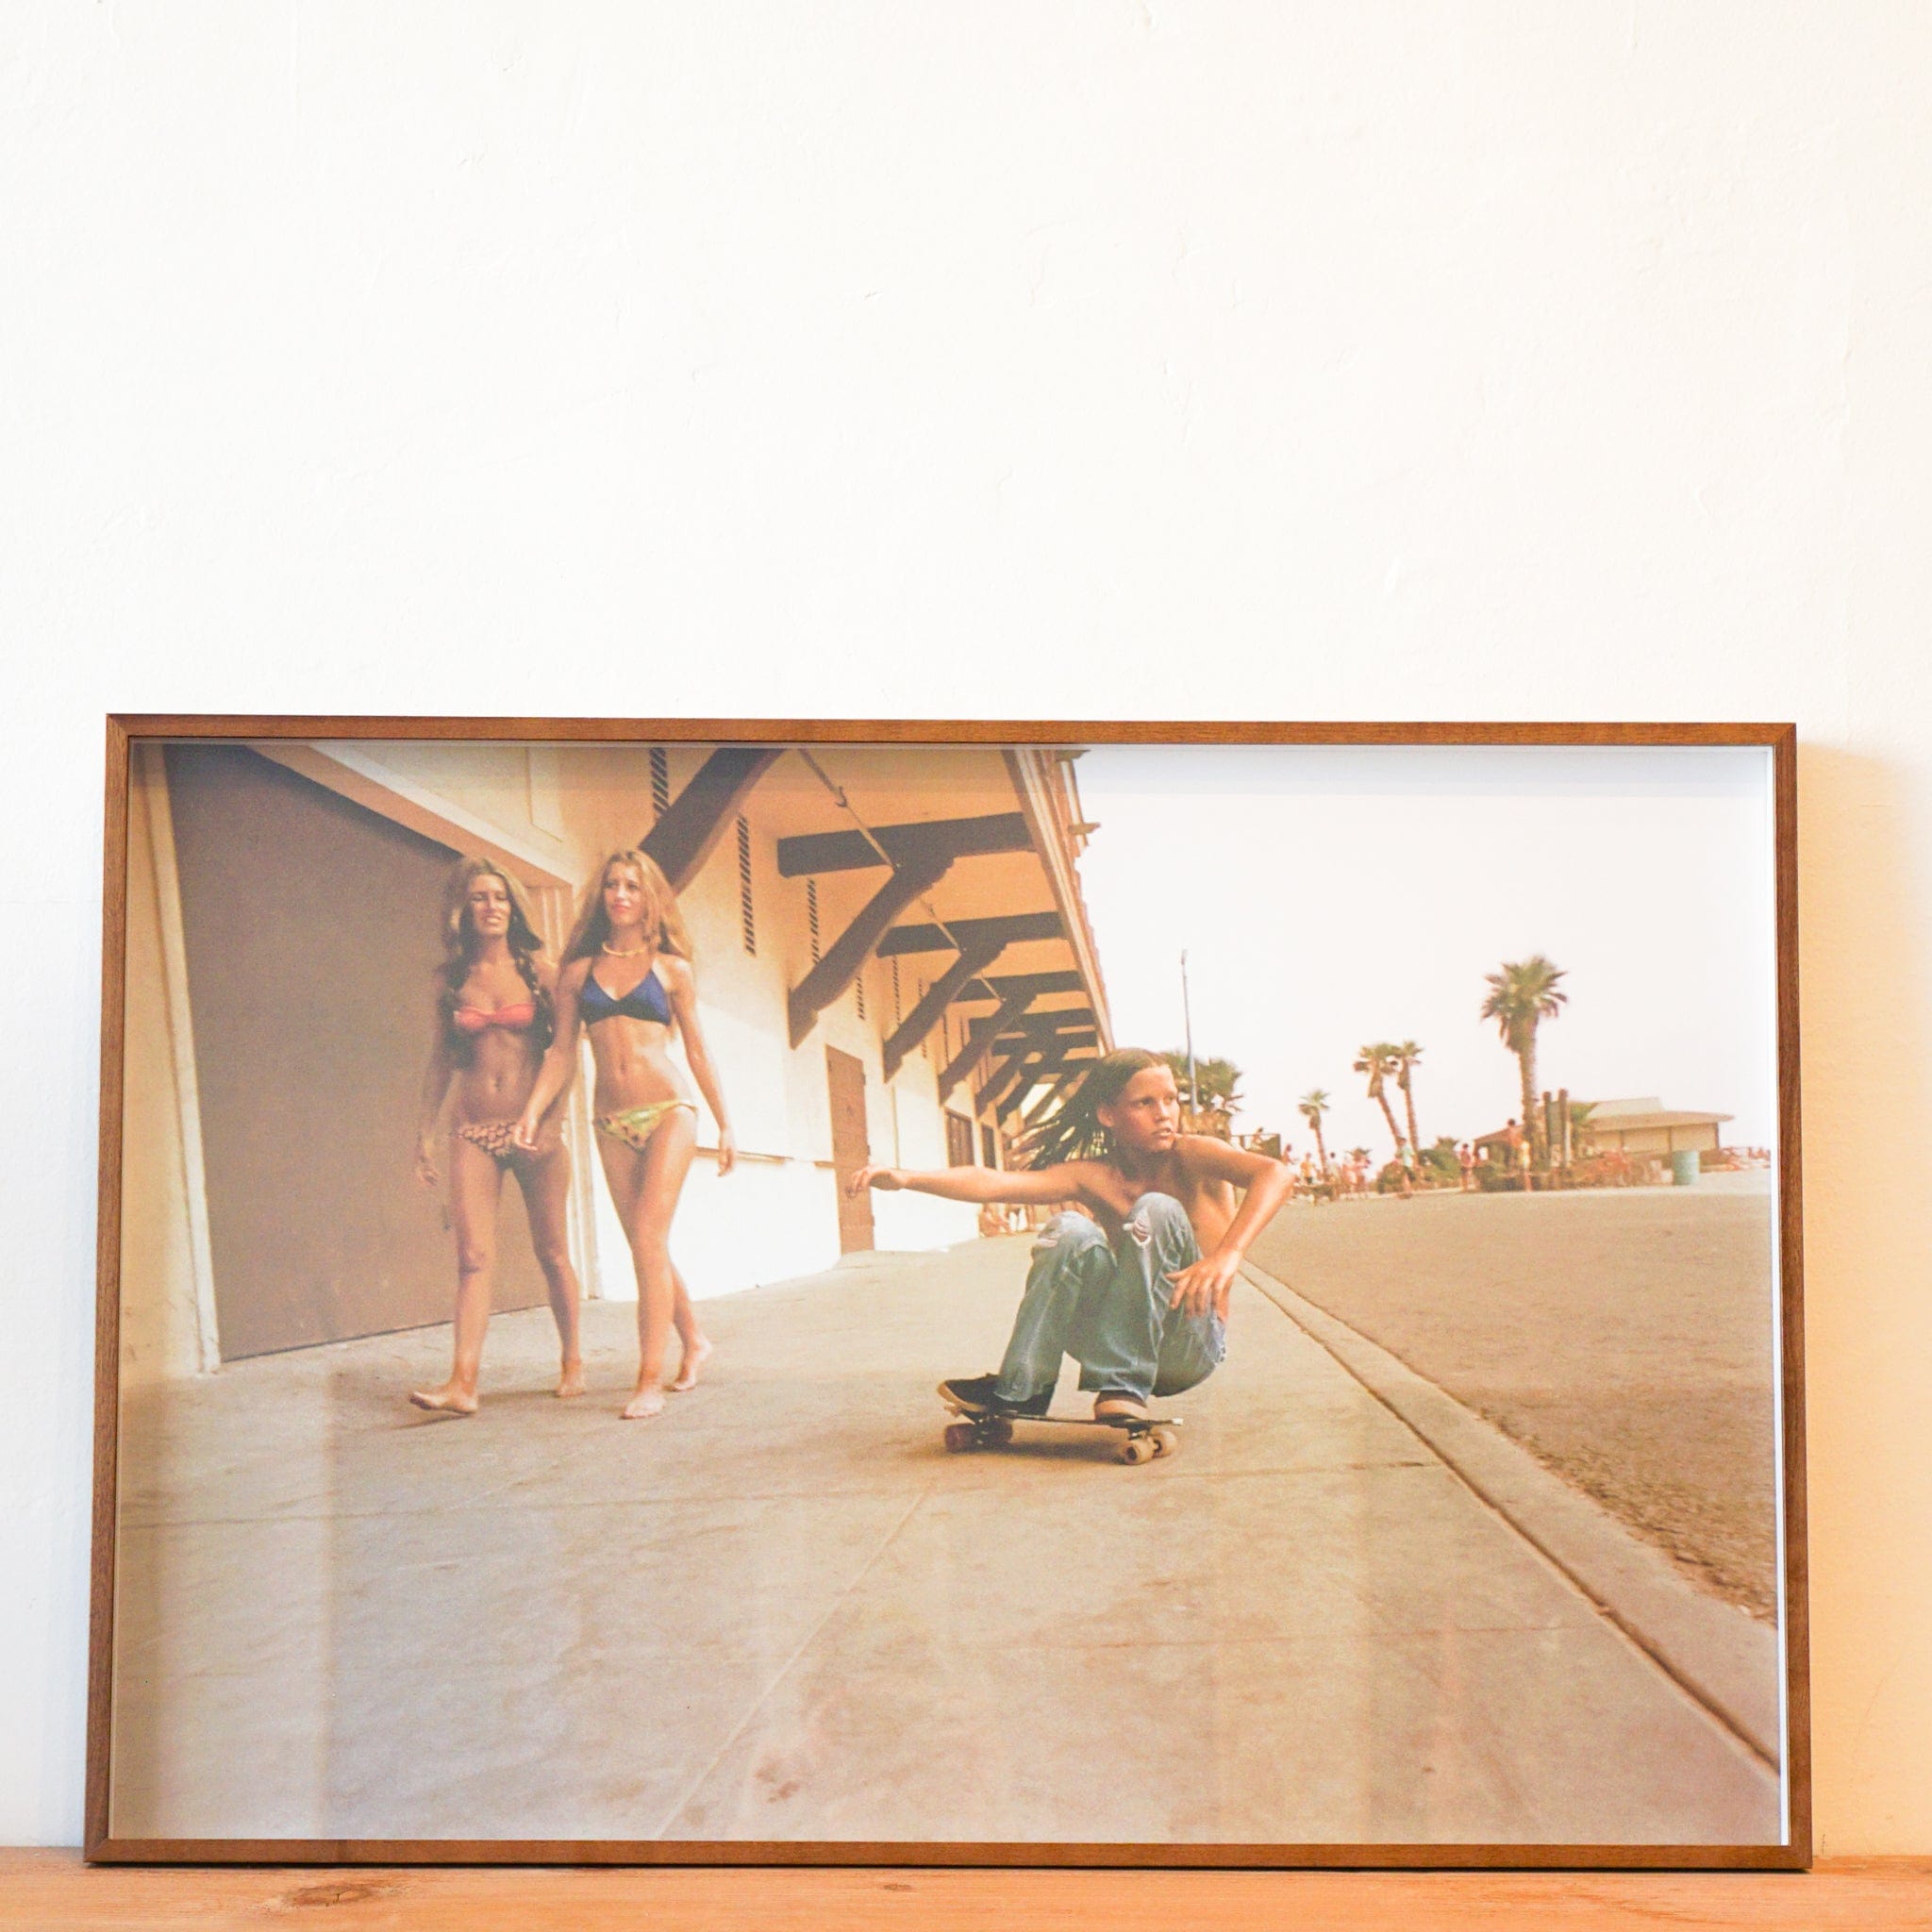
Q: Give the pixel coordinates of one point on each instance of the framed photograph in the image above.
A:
(726, 1292)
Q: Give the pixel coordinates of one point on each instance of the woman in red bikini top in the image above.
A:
(626, 978)
(493, 1021)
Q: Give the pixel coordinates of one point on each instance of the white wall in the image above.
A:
(1382, 360)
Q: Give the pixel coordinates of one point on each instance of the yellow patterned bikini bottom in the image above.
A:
(634, 1125)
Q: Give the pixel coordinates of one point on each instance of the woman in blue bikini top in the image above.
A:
(646, 1120)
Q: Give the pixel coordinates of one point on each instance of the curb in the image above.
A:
(1724, 1658)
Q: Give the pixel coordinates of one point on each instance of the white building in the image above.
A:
(892, 961)
(1646, 1126)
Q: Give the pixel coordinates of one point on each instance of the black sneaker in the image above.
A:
(973, 1395)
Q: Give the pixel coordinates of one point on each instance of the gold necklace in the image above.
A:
(635, 953)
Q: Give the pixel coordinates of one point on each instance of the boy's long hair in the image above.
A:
(1072, 1130)
(662, 919)
(459, 950)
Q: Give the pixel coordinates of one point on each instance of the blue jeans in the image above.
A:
(1108, 1309)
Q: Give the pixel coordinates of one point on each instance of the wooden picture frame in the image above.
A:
(1647, 1634)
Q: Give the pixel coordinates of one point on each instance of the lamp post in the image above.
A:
(1188, 1023)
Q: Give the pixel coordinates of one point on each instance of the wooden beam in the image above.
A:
(686, 836)
(1005, 1080)
(991, 988)
(979, 1039)
(932, 1007)
(1024, 1070)
(1070, 1069)
(1010, 926)
(1048, 1071)
(971, 838)
(853, 947)
(1039, 1026)
(1087, 1035)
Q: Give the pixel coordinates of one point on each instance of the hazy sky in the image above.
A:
(1330, 896)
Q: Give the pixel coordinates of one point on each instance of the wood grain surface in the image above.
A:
(54, 1892)
(998, 731)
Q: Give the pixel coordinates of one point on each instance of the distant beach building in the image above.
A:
(1647, 1127)
(1638, 1130)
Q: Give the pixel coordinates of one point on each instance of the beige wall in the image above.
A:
(1654, 1140)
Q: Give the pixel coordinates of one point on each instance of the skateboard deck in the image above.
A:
(1143, 1438)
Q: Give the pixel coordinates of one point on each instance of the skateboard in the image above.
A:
(1143, 1438)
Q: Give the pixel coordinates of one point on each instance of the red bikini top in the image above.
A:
(518, 1019)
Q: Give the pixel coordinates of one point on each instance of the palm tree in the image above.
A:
(1218, 1081)
(1378, 1061)
(1405, 1054)
(1218, 1084)
(1313, 1104)
(1522, 994)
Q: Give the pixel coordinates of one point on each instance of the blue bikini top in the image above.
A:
(644, 1000)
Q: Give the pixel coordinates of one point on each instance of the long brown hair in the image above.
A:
(1073, 1131)
(663, 920)
(459, 949)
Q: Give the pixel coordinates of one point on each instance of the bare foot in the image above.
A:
(448, 1400)
(571, 1382)
(648, 1402)
(695, 1356)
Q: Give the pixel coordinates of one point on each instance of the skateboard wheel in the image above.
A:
(1165, 1441)
(961, 1436)
(997, 1432)
(1137, 1449)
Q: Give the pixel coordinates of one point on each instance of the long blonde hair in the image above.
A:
(663, 920)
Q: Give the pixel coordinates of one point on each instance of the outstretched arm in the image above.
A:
(1027, 1186)
(682, 984)
(1266, 1184)
(560, 1061)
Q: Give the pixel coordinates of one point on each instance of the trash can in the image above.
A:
(1684, 1167)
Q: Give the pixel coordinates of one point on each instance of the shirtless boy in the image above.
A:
(1136, 1288)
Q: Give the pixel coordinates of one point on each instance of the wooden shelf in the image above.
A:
(53, 1892)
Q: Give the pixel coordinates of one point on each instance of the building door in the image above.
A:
(309, 926)
(850, 1147)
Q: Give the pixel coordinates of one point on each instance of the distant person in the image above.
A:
(628, 980)
(1465, 1159)
(1124, 1286)
(493, 1017)
(1520, 1150)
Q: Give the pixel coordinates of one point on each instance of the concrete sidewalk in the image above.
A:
(782, 1611)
